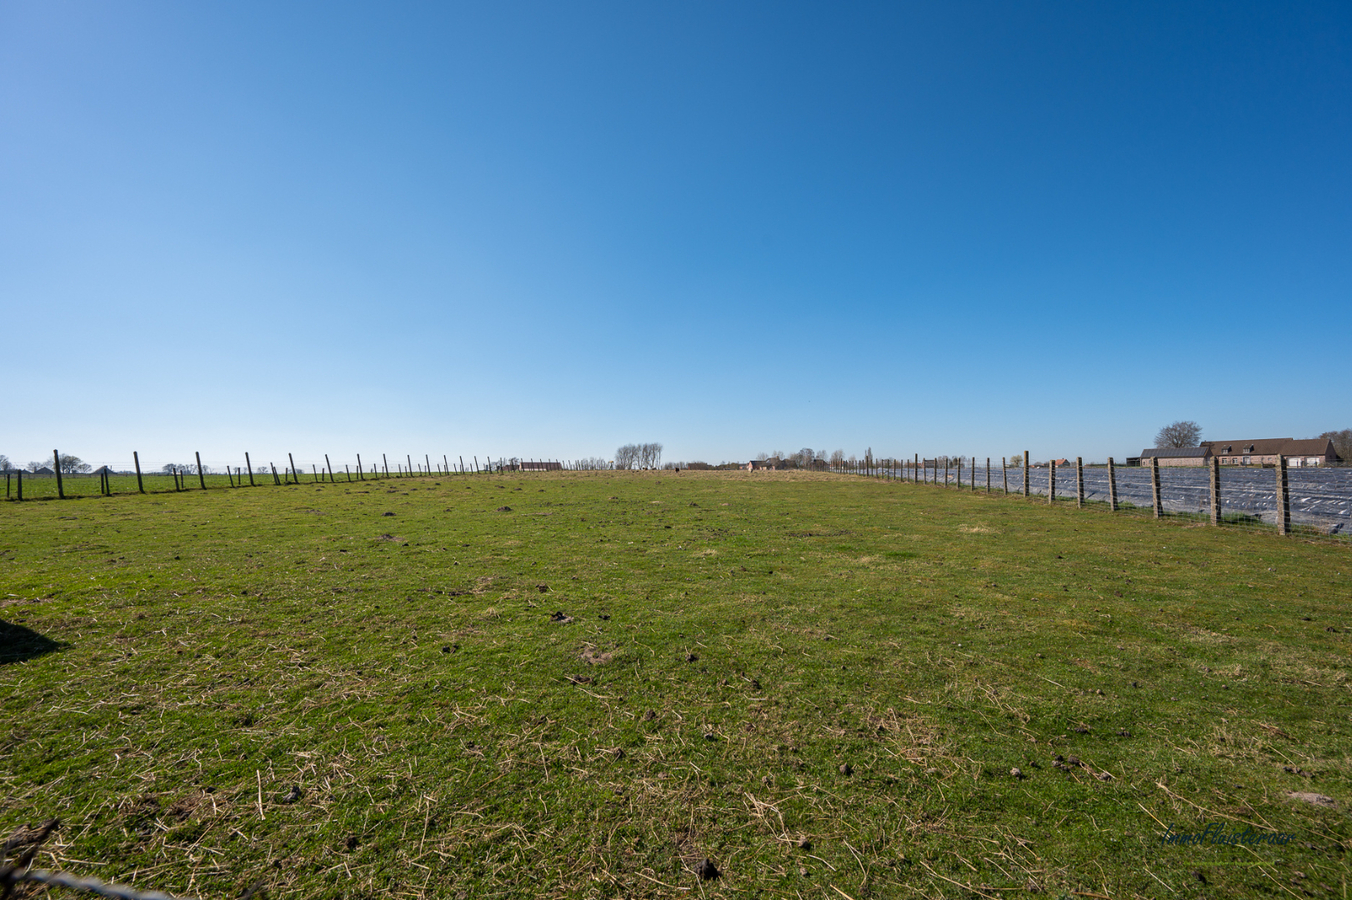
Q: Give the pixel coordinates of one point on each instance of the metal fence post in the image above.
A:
(1025, 474)
(1051, 482)
(1112, 486)
(1079, 482)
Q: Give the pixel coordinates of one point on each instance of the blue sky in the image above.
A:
(548, 229)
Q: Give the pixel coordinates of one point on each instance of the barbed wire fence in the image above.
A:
(1309, 500)
(15, 874)
(58, 479)
(1282, 497)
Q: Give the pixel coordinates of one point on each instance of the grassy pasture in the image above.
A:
(822, 684)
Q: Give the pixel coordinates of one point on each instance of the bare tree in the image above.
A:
(5, 464)
(1179, 434)
(837, 459)
(1342, 442)
(71, 465)
(639, 456)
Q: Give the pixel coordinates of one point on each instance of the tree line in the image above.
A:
(70, 465)
(639, 456)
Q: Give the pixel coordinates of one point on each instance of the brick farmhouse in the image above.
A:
(1254, 452)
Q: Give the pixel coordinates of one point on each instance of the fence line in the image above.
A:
(60, 483)
(1311, 499)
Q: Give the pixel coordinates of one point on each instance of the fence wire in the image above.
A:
(30, 841)
(1319, 497)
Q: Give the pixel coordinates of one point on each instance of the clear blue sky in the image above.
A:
(547, 229)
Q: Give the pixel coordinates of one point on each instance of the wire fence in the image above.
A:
(61, 479)
(18, 871)
(1306, 500)
(1313, 499)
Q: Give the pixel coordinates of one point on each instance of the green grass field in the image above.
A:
(586, 685)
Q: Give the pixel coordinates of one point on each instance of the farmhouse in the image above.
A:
(1265, 452)
(1177, 456)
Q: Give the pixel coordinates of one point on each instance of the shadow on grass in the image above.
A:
(19, 644)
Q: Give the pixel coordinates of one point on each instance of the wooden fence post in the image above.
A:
(1155, 486)
(462, 464)
(249, 465)
(230, 474)
(446, 464)
(60, 491)
(387, 465)
(328, 465)
(988, 474)
(360, 475)
(19, 486)
(348, 471)
(201, 479)
(1004, 472)
(1025, 474)
(295, 476)
(1215, 490)
(276, 479)
(1283, 498)
(139, 486)
(1051, 482)
(1079, 482)
(1112, 486)
(409, 457)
